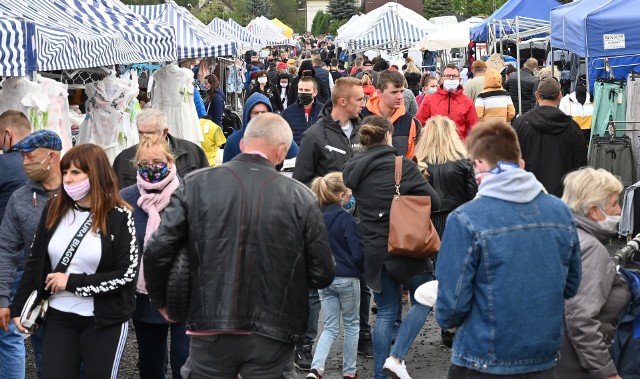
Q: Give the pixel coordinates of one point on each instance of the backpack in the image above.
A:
(231, 122)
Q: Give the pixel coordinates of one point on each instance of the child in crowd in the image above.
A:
(343, 295)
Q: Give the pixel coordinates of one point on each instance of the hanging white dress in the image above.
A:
(14, 89)
(173, 94)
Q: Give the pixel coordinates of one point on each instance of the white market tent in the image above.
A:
(236, 32)
(194, 39)
(71, 34)
(270, 34)
(449, 36)
(390, 27)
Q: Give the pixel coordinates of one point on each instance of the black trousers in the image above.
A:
(457, 372)
(71, 340)
(224, 356)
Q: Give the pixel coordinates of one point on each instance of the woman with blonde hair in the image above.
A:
(413, 75)
(591, 316)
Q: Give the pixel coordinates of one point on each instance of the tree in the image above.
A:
(434, 8)
(255, 8)
(209, 11)
(341, 9)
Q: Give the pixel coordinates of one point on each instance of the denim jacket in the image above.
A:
(508, 260)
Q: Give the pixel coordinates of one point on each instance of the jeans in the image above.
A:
(152, 348)
(342, 296)
(314, 316)
(387, 301)
(457, 372)
(12, 351)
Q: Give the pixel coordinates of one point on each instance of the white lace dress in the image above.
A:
(173, 93)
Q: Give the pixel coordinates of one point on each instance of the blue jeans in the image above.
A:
(12, 352)
(342, 296)
(387, 302)
(314, 316)
(152, 348)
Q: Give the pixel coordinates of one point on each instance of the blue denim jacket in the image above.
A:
(507, 262)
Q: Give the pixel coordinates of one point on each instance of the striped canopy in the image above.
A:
(390, 27)
(72, 34)
(270, 34)
(247, 37)
(195, 39)
(13, 41)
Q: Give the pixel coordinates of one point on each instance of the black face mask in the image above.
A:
(305, 98)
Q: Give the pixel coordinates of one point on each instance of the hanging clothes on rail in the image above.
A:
(614, 155)
(610, 98)
(108, 119)
(578, 105)
(633, 114)
(14, 89)
(172, 92)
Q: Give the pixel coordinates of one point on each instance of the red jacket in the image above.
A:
(455, 105)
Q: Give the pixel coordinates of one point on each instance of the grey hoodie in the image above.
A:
(515, 185)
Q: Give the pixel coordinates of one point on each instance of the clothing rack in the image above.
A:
(611, 129)
(610, 66)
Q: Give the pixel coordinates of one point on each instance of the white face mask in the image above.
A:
(610, 223)
(283, 85)
(451, 84)
(262, 80)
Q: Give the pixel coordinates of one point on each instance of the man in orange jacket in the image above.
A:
(388, 102)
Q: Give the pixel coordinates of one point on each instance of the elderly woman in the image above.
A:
(592, 315)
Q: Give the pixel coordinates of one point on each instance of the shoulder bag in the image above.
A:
(411, 232)
(35, 309)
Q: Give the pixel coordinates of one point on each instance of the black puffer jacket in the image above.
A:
(370, 176)
(528, 81)
(454, 182)
(257, 247)
(324, 147)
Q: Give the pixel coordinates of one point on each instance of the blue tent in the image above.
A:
(598, 29)
(536, 9)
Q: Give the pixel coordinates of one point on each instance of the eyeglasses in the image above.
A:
(451, 76)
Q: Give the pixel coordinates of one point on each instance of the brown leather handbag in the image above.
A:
(411, 232)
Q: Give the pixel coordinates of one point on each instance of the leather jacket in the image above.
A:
(257, 245)
(454, 182)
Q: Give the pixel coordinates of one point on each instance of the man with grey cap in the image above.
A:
(41, 152)
(552, 143)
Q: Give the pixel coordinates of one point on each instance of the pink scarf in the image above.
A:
(153, 203)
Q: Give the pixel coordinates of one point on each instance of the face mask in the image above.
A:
(432, 90)
(262, 80)
(349, 205)
(79, 190)
(451, 84)
(284, 85)
(610, 223)
(253, 81)
(153, 173)
(36, 171)
(499, 169)
(305, 98)
(6, 146)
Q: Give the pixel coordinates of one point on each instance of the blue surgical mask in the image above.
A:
(349, 205)
(432, 90)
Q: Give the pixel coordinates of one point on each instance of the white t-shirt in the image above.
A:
(347, 129)
(85, 261)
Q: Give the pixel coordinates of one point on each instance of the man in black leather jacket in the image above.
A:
(188, 155)
(256, 248)
(528, 82)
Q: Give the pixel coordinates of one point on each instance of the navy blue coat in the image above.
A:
(345, 241)
(294, 114)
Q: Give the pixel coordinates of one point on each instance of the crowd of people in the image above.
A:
(522, 286)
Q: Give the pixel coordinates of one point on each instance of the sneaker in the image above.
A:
(314, 374)
(447, 337)
(354, 376)
(395, 370)
(303, 358)
(364, 345)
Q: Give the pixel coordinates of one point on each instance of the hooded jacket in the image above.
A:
(494, 101)
(592, 315)
(232, 147)
(345, 241)
(324, 95)
(455, 105)
(552, 145)
(325, 148)
(297, 118)
(406, 129)
(370, 175)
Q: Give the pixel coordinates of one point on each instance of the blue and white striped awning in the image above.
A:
(72, 34)
(395, 28)
(195, 39)
(13, 40)
(270, 34)
(249, 39)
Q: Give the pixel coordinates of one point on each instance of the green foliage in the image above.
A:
(334, 25)
(209, 11)
(287, 12)
(434, 8)
(255, 8)
(320, 23)
(341, 9)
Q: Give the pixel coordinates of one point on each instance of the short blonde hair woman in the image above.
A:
(591, 316)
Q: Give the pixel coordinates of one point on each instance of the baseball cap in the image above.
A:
(41, 138)
(291, 62)
(549, 88)
(479, 63)
(281, 65)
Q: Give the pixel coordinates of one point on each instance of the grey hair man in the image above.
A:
(261, 227)
(189, 156)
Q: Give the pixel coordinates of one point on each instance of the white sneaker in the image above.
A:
(395, 370)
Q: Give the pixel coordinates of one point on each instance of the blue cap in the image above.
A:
(41, 138)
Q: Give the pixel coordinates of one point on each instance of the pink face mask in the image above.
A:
(79, 190)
